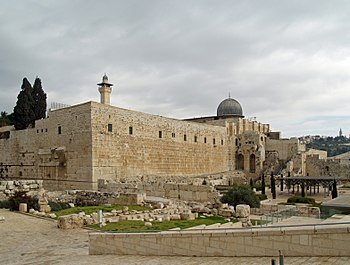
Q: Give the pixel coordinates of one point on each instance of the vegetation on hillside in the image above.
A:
(333, 145)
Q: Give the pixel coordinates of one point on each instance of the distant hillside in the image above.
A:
(333, 145)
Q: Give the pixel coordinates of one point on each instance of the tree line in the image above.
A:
(30, 106)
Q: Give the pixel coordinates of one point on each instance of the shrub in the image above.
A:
(298, 199)
(5, 204)
(241, 194)
(261, 196)
(22, 197)
(57, 206)
(257, 186)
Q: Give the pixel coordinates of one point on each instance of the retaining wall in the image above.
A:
(308, 241)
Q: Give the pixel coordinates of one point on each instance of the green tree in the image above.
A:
(241, 194)
(23, 114)
(39, 100)
(4, 119)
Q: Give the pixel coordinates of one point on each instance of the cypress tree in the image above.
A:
(281, 182)
(39, 99)
(273, 186)
(302, 189)
(263, 184)
(334, 190)
(23, 114)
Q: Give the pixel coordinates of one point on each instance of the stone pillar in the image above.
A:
(23, 207)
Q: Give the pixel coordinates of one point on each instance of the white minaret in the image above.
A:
(105, 90)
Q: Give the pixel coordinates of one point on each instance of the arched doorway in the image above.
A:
(252, 163)
(240, 162)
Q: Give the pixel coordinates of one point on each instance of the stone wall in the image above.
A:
(128, 143)
(84, 198)
(268, 208)
(180, 191)
(8, 188)
(285, 148)
(75, 146)
(308, 241)
(58, 148)
(320, 167)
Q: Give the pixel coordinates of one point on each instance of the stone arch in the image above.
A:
(252, 163)
(240, 162)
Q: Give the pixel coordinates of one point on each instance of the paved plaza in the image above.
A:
(29, 240)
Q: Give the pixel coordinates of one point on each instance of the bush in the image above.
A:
(261, 196)
(22, 197)
(298, 199)
(257, 187)
(241, 194)
(57, 206)
(6, 204)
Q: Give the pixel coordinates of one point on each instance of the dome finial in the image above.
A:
(229, 94)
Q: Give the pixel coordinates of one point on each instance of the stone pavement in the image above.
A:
(30, 240)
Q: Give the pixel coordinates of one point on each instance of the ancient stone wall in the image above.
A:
(285, 148)
(75, 146)
(321, 167)
(58, 148)
(129, 143)
(184, 192)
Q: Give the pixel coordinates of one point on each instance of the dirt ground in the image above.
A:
(30, 240)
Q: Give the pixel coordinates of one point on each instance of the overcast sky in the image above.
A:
(286, 62)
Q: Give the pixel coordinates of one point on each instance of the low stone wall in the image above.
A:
(332, 240)
(185, 192)
(267, 208)
(84, 198)
(8, 188)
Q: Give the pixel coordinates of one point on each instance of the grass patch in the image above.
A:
(129, 226)
(92, 209)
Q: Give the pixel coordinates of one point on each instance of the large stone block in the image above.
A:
(70, 221)
(242, 211)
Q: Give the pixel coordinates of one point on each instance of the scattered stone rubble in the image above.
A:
(8, 188)
(161, 211)
(269, 207)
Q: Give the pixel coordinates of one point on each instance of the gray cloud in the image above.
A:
(286, 61)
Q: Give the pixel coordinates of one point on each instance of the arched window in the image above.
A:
(240, 162)
(252, 163)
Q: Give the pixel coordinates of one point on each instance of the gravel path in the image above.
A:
(30, 240)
